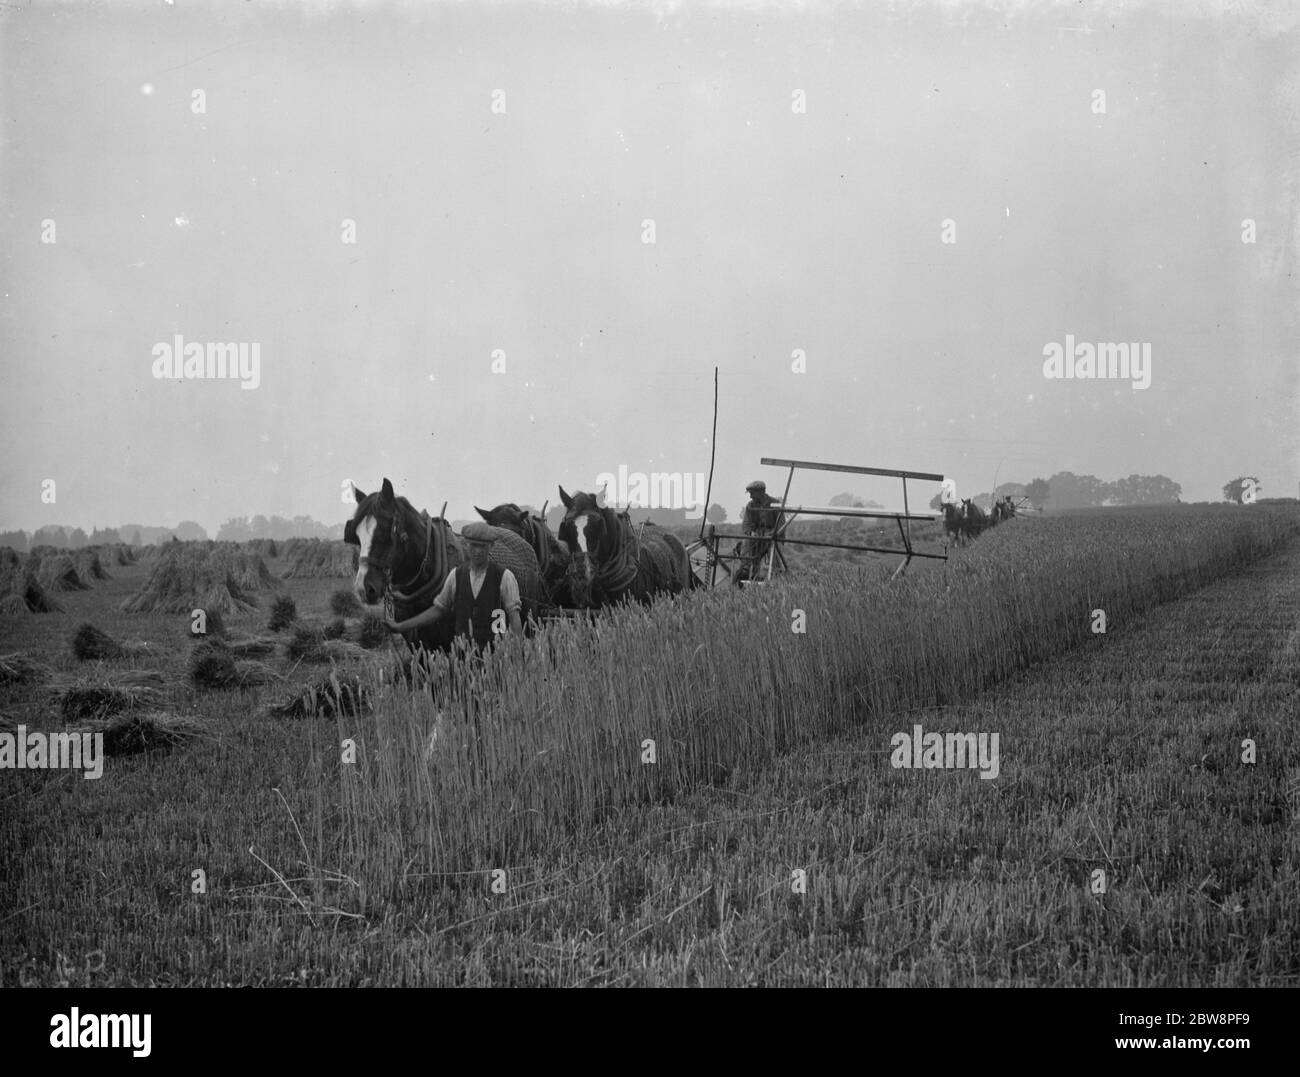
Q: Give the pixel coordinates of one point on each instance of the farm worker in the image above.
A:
(759, 522)
(476, 594)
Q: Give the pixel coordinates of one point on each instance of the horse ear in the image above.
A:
(356, 492)
(568, 501)
(386, 491)
(600, 494)
(486, 516)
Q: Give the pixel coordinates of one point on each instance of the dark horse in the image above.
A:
(406, 556)
(953, 521)
(614, 562)
(974, 519)
(552, 555)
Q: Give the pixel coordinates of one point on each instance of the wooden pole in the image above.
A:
(713, 449)
(908, 540)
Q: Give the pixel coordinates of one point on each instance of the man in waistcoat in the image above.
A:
(477, 595)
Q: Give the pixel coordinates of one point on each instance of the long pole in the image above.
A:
(713, 449)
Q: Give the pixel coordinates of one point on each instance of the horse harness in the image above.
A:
(434, 557)
(616, 575)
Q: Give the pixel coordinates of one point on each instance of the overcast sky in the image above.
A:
(499, 162)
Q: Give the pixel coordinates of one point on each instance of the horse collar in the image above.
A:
(395, 589)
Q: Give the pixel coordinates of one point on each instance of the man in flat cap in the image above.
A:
(483, 597)
(759, 522)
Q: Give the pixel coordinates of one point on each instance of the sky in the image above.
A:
(434, 222)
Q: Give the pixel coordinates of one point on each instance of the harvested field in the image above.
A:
(212, 664)
(100, 697)
(322, 643)
(345, 603)
(89, 566)
(58, 572)
(145, 732)
(349, 694)
(18, 668)
(91, 644)
(187, 578)
(319, 557)
(284, 611)
(21, 592)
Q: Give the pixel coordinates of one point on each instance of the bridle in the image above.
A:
(394, 591)
(616, 574)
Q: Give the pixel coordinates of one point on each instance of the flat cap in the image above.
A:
(477, 532)
(757, 484)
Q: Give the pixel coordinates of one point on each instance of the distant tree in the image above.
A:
(1038, 491)
(260, 527)
(1235, 489)
(16, 540)
(135, 537)
(1071, 491)
(235, 529)
(854, 502)
(1144, 490)
(305, 527)
(51, 536)
(188, 531)
(78, 538)
(716, 514)
(109, 534)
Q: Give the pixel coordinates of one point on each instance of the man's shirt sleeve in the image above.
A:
(447, 596)
(509, 591)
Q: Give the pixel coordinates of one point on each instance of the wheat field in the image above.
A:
(702, 792)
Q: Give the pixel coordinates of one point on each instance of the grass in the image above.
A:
(1119, 753)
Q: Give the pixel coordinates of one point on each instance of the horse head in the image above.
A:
(952, 516)
(552, 554)
(385, 528)
(591, 534)
(508, 515)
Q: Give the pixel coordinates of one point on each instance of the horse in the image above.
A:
(953, 522)
(553, 556)
(974, 519)
(406, 557)
(613, 563)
